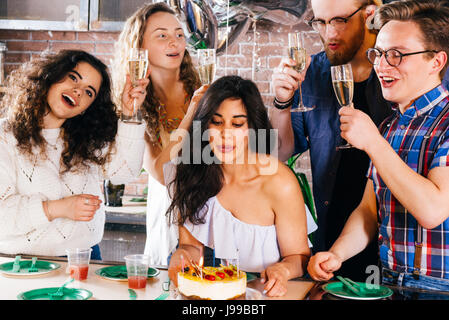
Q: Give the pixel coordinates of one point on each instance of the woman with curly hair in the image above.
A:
(173, 80)
(61, 137)
(241, 201)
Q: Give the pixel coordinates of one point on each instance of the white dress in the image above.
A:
(255, 246)
(162, 237)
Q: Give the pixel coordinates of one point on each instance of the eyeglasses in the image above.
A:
(392, 56)
(338, 23)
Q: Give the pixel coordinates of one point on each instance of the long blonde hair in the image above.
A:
(132, 36)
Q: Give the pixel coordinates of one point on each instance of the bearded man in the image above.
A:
(406, 200)
(339, 177)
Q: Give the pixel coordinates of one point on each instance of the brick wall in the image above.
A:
(271, 42)
(22, 45)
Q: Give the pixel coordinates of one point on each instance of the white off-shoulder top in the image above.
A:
(255, 246)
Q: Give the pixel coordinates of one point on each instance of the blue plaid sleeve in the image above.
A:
(441, 158)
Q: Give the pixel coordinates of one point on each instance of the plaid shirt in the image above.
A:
(397, 228)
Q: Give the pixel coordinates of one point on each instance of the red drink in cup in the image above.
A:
(79, 272)
(137, 282)
(137, 270)
(78, 262)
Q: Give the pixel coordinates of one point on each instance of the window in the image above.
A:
(64, 15)
(110, 15)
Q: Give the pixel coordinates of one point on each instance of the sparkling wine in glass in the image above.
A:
(138, 65)
(297, 52)
(343, 84)
(206, 65)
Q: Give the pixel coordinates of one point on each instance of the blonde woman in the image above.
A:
(173, 81)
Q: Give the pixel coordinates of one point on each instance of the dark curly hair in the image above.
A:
(86, 135)
(194, 183)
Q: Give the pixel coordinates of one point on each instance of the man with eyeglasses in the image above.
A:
(339, 177)
(406, 198)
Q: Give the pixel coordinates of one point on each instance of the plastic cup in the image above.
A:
(137, 269)
(78, 263)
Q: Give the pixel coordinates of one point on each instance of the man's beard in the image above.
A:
(346, 53)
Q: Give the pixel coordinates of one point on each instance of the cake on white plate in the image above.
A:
(216, 283)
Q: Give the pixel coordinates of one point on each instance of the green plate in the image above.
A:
(119, 273)
(41, 265)
(67, 294)
(250, 276)
(339, 289)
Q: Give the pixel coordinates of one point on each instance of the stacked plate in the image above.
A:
(42, 266)
(119, 273)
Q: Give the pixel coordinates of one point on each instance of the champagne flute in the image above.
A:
(297, 52)
(137, 64)
(206, 65)
(343, 83)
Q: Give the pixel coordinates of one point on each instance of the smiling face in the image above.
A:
(415, 75)
(164, 39)
(229, 132)
(72, 95)
(340, 46)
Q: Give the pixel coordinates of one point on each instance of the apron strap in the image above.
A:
(419, 231)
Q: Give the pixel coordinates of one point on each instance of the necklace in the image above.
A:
(52, 136)
(54, 146)
(169, 124)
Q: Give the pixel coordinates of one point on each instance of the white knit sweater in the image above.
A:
(25, 184)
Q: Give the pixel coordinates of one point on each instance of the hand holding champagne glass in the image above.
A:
(343, 83)
(206, 65)
(297, 52)
(138, 65)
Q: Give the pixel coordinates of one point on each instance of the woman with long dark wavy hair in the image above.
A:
(173, 80)
(60, 138)
(237, 198)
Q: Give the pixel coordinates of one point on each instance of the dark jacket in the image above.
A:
(319, 131)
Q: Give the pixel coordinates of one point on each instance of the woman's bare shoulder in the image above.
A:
(281, 181)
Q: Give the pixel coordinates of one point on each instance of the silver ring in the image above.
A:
(283, 70)
(86, 201)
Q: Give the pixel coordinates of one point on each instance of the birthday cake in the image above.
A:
(212, 283)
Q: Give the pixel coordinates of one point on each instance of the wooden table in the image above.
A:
(104, 289)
